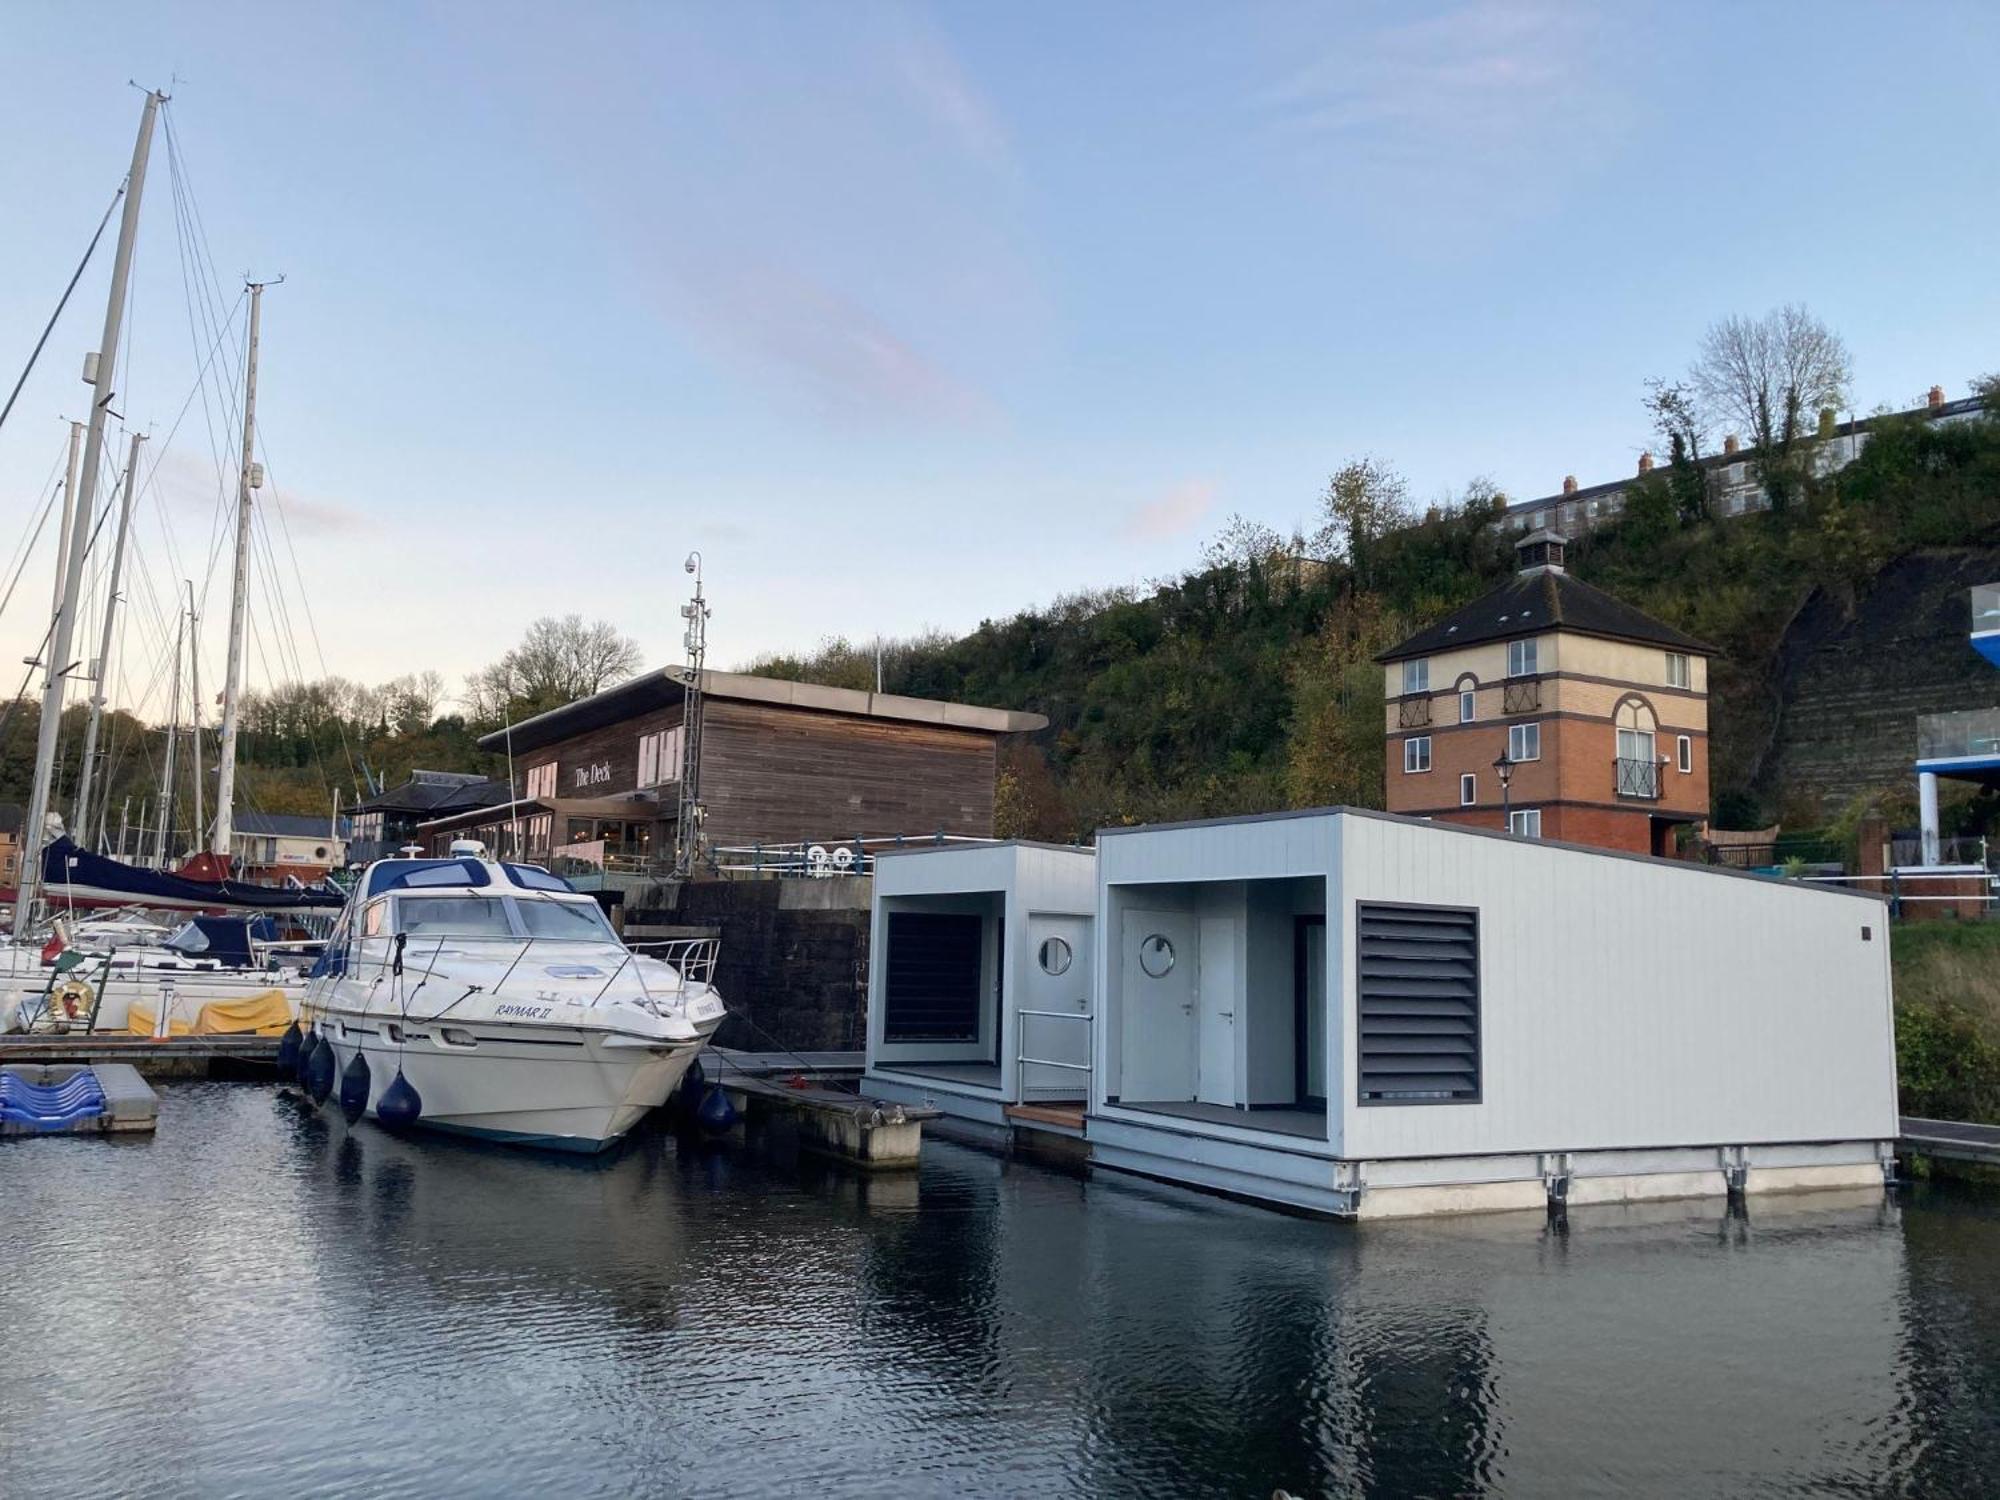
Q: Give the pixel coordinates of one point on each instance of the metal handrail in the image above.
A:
(1022, 1060)
(1637, 778)
(819, 858)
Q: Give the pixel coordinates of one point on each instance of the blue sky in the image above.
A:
(910, 316)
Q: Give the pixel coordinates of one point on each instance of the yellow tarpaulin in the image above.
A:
(265, 1014)
(139, 1021)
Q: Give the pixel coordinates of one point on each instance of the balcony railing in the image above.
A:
(1522, 697)
(1637, 778)
(1959, 736)
(1413, 713)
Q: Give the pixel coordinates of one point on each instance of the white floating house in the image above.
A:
(1369, 1015)
(979, 984)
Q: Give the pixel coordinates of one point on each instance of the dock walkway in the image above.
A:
(1951, 1140)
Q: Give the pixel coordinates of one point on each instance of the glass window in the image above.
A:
(1522, 658)
(1156, 956)
(565, 919)
(1684, 753)
(1526, 824)
(542, 780)
(1524, 742)
(1678, 674)
(453, 916)
(1417, 753)
(1468, 705)
(1417, 676)
(1635, 744)
(1468, 789)
(1054, 956)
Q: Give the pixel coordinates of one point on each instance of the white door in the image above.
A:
(1157, 967)
(1054, 1016)
(1215, 1072)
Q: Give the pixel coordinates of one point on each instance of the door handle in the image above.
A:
(1227, 1015)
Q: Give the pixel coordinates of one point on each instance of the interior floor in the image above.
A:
(980, 1075)
(1309, 1124)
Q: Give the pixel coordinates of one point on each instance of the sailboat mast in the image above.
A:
(34, 830)
(62, 540)
(173, 738)
(249, 476)
(194, 711)
(80, 816)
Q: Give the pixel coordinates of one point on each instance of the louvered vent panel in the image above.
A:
(1419, 985)
(931, 978)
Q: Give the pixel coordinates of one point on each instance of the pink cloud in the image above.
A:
(1173, 514)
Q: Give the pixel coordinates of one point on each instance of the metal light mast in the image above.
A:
(687, 828)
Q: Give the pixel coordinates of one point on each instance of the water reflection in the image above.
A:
(260, 1299)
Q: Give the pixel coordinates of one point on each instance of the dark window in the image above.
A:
(1418, 980)
(930, 989)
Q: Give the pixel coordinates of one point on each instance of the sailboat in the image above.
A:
(172, 985)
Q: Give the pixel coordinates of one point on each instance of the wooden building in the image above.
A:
(1553, 710)
(780, 763)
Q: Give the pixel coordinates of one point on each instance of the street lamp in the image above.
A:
(1505, 766)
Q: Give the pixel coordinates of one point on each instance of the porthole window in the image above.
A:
(1053, 956)
(1156, 956)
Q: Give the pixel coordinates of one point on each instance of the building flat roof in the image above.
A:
(1466, 830)
(665, 686)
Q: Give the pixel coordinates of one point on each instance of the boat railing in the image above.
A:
(694, 959)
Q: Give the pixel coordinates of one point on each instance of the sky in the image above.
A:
(908, 317)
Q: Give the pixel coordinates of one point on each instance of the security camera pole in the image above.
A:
(687, 829)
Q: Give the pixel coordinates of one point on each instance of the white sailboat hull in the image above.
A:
(147, 977)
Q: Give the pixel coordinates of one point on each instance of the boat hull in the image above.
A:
(563, 1089)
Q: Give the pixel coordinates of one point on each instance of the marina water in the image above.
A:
(259, 1301)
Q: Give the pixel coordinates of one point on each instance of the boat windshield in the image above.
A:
(565, 919)
(453, 916)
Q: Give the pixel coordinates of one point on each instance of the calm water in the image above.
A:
(257, 1302)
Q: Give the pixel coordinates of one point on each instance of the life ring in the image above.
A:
(71, 1000)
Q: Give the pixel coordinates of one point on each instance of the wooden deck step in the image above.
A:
(1061, 1116)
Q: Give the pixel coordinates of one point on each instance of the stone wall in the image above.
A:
(794, 956)
(1853, 686)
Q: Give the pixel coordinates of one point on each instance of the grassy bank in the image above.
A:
(1948, 1019)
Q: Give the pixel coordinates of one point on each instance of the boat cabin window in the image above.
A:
(565, 919)
(375, 920)
(453, 916)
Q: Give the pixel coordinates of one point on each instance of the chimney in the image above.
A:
(1569, 484)
(1730, 445)
(1645, 463)
(1826, 420)
(1936, 397)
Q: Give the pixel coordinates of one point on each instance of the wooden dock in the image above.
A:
(249, 1057)
(803, 1088)
(1949, 1140)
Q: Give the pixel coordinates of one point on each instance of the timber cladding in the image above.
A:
(774, 775)
(604, 762)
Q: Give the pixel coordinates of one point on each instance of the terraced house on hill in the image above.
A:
(1550, 708)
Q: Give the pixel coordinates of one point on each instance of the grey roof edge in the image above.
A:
(1340, 810)
(902, 849)
(746, 687)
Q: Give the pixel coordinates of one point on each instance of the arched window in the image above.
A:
(1468, 698)
(1637, 727)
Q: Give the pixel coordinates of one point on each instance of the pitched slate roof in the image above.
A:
(1539, 600)
(285, 825)
(427, 791)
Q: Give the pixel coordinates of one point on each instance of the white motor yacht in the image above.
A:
(503, 997)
